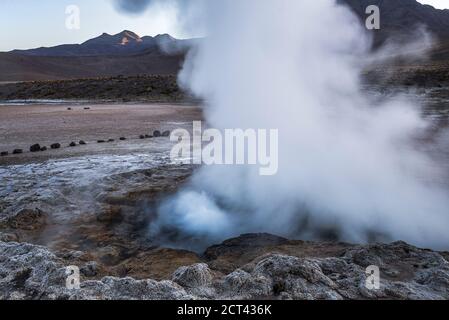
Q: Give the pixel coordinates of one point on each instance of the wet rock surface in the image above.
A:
(61, 214)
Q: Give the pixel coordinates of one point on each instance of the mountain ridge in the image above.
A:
(122, 43)
(126, 53)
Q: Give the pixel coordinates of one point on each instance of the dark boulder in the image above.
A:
(111, 140)
(166, 134)
(35, 148)
(55, 146)
(101, 141)
(4, 153)
(141, 136)
(17, 151)
(157, 134)
(44, 148)
(122, 138)
(86, 108)
(147, 136)
(72, 144)
(82, 142)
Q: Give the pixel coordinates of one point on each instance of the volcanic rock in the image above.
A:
(4, 153)
(17, 151)
(44, 148)
(157, 134)
(35, 148)
(33, 272)
(25, 219)
(72, 144)
(90, 269)
(82, 142)
(166, 134)
(55, 146)
(195, 276)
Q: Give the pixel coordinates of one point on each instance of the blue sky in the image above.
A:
(34, 23)
(440, 4)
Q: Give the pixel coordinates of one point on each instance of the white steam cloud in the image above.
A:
(346, 166)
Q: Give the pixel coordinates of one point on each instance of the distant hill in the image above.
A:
(123, 54)
(128, 54)
(123, 43)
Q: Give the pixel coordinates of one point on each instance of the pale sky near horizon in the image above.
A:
(28, 24)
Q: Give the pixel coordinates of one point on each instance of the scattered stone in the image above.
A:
(72, 144)
(70, 109)
(86, 108)
(101, 141)
(141, 137)
(44, 148)
(55, 146)
(4, 153)
(33, 272)
(17, 151)
(122, 138)
(35, 148)
(166, 134)
(111, 140)
(157, 134)
(82, 142)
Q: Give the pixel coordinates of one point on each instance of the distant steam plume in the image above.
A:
(133, 6)
(347, 168)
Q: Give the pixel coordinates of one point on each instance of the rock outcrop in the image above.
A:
(33, 272)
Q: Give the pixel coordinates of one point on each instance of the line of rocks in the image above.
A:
(38, 148)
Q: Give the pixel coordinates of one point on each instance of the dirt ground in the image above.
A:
(24, 125)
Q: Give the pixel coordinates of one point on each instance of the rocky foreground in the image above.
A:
(52, 220)
(257, 266)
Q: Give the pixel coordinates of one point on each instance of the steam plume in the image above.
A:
(346, 167)
(133, 6)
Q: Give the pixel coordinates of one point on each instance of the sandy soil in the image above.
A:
(22, 126)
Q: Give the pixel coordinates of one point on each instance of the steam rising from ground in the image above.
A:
(346, 167)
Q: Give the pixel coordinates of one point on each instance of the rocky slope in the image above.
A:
(33, 272)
